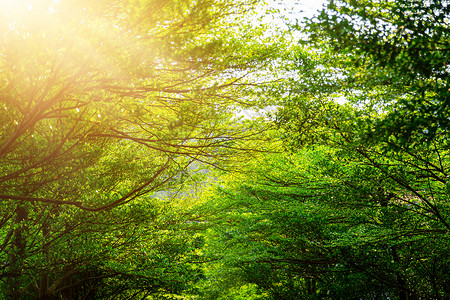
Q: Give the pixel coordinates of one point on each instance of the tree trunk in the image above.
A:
(43, 285)
(17, 254)
(403, 292)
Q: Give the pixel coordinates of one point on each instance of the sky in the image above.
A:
(292, 10)
(297, 9)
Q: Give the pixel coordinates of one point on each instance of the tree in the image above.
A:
(103, 103)
(389, 62)
(324, 223)
(364, 190)
(400, 45)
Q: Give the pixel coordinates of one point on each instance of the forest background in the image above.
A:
(127, 173)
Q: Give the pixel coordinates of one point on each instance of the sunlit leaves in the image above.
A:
(105, 104)
(405, 42)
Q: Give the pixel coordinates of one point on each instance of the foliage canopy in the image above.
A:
(125, 173)
(103, 104)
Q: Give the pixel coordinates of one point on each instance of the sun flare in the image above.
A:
(16, 9)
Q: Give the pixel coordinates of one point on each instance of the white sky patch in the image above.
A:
(293, 10)
(296, 9)
(289, 12)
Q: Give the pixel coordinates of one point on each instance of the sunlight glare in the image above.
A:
(13, 8)
(17, 9)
